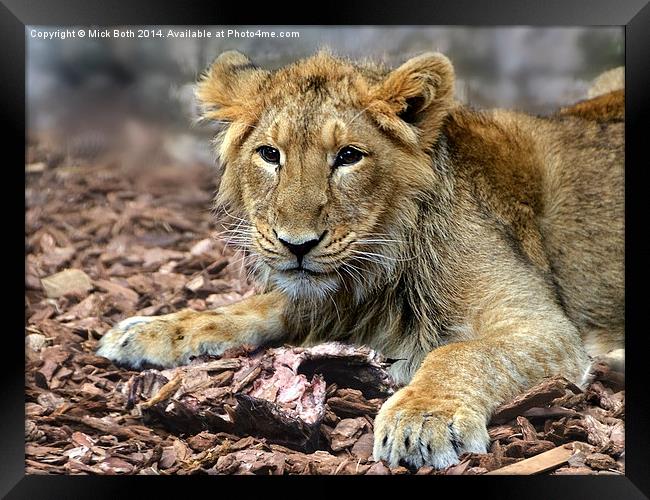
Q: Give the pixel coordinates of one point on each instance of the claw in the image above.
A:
(410, 430)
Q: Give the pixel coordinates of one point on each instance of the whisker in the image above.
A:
(345, 284)
(240, 259)
(239, 240)
(335, 306)
(352, 276)
(373, 254)
(358, 273)
(224, 122)
(223, 207)
(235, 225)
(236, 232)
(379, 241)
(382, 256)
(349, 274)
(253, 270)
(359, 114)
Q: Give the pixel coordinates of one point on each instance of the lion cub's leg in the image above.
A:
(444, 410)
(171, 339)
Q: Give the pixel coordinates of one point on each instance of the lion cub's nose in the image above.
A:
(300, 249)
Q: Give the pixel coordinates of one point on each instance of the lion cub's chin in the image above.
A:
(301, 284)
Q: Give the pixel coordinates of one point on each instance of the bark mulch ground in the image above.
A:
(104, 244)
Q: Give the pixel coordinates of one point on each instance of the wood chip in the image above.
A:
(535, 465)
(70, 281)
(165, 392)
(540, 395)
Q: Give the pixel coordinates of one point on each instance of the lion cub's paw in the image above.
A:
(144, 340)
(414, 427)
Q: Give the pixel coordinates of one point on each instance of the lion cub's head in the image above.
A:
(324, 162)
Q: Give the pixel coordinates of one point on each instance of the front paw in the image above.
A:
(163, 341)
(138, 341)
(418, 428)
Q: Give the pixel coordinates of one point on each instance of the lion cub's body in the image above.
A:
(481, 250)
(527, 197)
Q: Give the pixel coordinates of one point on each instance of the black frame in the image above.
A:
(634, 15)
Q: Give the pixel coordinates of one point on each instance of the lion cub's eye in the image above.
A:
(269, 154)
(348, 156)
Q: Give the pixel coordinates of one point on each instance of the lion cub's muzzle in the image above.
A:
(299, 246)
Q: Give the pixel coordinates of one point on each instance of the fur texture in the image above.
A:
(482, 250)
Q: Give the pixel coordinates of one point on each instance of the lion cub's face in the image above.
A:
(319, 158)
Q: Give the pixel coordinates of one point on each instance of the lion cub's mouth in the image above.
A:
(299, 282)
(297, 271)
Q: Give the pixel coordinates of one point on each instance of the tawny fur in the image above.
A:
(482, 250)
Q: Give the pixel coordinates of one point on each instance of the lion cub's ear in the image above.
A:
(413, 99)
(226, 90)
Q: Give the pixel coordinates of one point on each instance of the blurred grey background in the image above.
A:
(134, 96)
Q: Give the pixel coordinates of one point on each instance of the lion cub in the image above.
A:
(483, 250)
